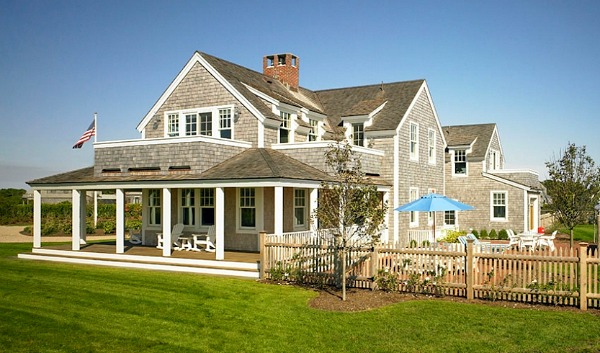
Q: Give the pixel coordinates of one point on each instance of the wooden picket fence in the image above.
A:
(564, 277)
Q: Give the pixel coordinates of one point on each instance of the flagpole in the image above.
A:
(95, 127)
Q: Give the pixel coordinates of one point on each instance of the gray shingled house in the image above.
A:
(243, 151)
(475, 174)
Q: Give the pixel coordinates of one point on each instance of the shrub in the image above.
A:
(452, 236)
(493, 234)
(483, 234)
(503, 235)
(386, 280)
(475, 233)
(109, 227)
(413, 244)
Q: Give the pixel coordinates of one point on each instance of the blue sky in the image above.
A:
(529, 66)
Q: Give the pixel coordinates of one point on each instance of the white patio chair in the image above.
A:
(513, 239)
(135, 237)
(176, 232)
(547, 241)
(205, 240)
(528, 241)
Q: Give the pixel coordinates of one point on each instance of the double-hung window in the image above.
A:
(450, 218)
(460, 162)
(498, 206)
(207, 207)
(247, 207)
(314, 130)
(286, 125)
(225, 124)
(154, 214)
(206, 124)
(414, 142)
(188, 207)
(173, 125)
(299, 207)
(358, 134)
(191, 124)
(414, 215)
(431, 146)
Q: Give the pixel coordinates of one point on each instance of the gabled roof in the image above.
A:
(334, 103)
(355, 101)
(478, 136)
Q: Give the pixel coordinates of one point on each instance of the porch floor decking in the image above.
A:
(237, 264)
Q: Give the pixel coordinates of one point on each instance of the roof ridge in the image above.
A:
(269, 160)
(369, 85)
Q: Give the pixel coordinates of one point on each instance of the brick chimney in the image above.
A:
(284, 67)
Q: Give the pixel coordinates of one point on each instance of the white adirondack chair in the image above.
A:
(176, 232)
(205, 240)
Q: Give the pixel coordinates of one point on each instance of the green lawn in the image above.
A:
(51, 307)
(584, 232)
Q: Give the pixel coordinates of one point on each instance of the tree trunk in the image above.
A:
(344, 273)
(571, 238)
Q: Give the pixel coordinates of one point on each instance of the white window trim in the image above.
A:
(147, 208)
(200, 207)
(493, 160)
(180, 207)
(214, 110)
(430, 215)
(414, 155)
(414, 223)
(305, 207)
(495, 219)
(431, 158)
(258, 205)
(291, 128)
(452, 156)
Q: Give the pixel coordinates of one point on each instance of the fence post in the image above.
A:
(263, 254)
(583, 276)
(469, 269)
(374, 257)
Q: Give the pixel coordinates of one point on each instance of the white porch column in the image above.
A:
(220, 223)
(78, 199)
(37, 219)
(120, 217)
(385, 233)
(278, 210)
(314, 203)
(166, 221)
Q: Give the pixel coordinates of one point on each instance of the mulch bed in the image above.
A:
(330, 299)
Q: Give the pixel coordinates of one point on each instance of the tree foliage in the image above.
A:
(573, 187)
(350, 207)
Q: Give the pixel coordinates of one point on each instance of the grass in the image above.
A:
(583, 232)
(52, 307)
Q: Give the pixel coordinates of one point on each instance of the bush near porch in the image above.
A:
(53, 307)
(56, 218)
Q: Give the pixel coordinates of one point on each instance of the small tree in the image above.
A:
(573, 187)
(349, 206)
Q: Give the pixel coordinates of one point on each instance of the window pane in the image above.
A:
(358, 137)
(191, 124)
(248, 217)
(208, 216)
(225, 123)
(299, 215)
(206, 124)
(173, 125)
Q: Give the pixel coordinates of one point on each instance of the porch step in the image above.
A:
(212, 267)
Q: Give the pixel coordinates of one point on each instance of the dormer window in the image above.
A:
(460, 162)
(314, 130)
(286, 126)
(358, 134)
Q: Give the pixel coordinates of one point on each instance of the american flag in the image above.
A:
(91, 131)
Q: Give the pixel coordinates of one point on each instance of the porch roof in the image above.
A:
(253, 164)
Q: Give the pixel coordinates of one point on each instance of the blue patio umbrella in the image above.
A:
(432, 203)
